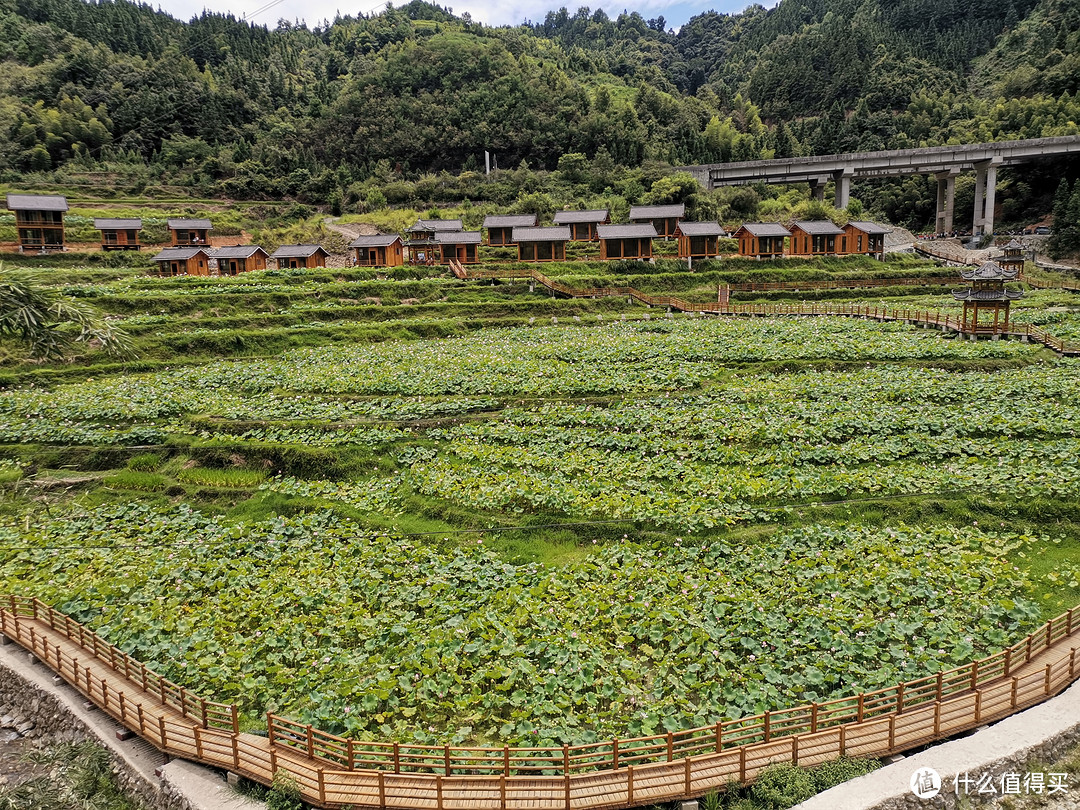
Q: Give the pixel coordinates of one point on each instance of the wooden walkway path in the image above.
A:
(335, 772)
(927, 318)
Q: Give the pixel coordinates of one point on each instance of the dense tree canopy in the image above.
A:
(232, 107)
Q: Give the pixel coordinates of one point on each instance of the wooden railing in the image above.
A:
(336, 771)
(671, 302)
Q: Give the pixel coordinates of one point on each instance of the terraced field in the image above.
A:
(408, 507)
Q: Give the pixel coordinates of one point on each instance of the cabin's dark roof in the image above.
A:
(178, 253)
(36, 202)
(701, 229)
(643, 231)
(988, 271)
(296, 251)
(871, 228)
(818, 227)
(237, 252)
(1014, 244)
(551, 233)
(190, 224)
(575, 217)
(436, 225)
(458, 238)
(968, 294)
(375, 240)
(760, 229)
(657, 211)
(510, 221)
(118, 224)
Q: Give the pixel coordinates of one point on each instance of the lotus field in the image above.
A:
(703, 494)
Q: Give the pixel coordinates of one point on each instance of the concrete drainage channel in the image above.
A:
(37, 704)
(49, 709)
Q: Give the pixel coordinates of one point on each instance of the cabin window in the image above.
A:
(559, 251)
(470, 253)
(543, 251)
(858, 243)
(528, 251)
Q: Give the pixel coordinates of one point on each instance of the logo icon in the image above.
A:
(926, 783)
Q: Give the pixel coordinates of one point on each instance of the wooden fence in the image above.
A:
(927, 318)
(334, 771)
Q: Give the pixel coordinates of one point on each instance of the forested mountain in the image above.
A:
(245, 110)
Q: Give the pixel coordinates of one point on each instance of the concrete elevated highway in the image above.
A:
(944, 162)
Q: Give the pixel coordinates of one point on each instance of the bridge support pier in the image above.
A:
(817, 188)
(843, 188)
(985, 194)
(946, 200)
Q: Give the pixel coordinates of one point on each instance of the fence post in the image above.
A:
(843, 740)
(892, 731)
(309, 740)
(670, 747)
(566, 788)
(1008, 661)
(161, 730)
(719, 737)
(349, 753)
(687, 776)
(183, 702)
(198, 742)
(506, 760)
(630, 785)
(1048, 679)
(1049, 630)
(615, 754)
(813, 718)
(235, 719)
(1014, 684)
(940, 677)
(397, 758)
(974, 674)
(978, 706)
(236, 750)
(768, 726)
(795, 749)
(446, 759)
(900, 698)
(382, 789)
(742, 763)
(322, 787)
(270, 728)
(862, 699)
(438, 791)
(937, 718)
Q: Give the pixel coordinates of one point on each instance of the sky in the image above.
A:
(490, 12)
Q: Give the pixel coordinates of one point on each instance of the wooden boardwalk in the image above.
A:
(335, 772)
(927, 318)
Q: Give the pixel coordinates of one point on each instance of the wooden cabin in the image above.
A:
(461, 245)
(626, 241)
(583, 224)
(379, 250)
(665, 218)
(183, 261)
(866, 238)
(190, 232)
(1012, 256)
(39, 221)
(762, 240)
(420, 238)
(699, 240)
(119, 234)
(542, 244)
(818, 238)
(232, 261)
(292, 256)
(500, 229)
